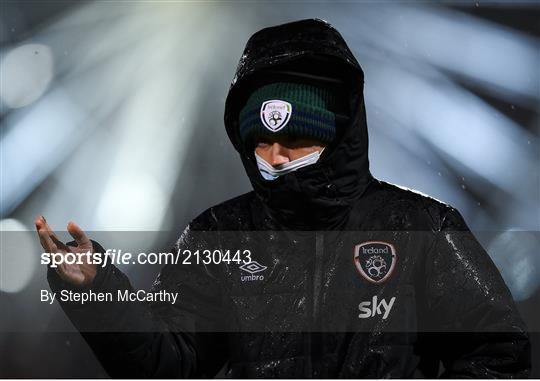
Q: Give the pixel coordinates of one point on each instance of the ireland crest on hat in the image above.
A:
(275, 114)
(375, 260)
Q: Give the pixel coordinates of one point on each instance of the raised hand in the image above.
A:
(78, 274)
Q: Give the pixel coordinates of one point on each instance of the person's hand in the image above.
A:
(80, 275)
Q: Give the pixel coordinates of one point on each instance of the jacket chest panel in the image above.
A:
(327, 282)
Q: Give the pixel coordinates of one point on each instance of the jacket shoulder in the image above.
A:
(409, 208)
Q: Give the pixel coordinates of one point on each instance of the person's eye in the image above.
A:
(296, 143)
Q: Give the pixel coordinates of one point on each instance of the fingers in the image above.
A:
(43, 235)
(41, 222)
(47, 237)
(46, 241)
(78, 235)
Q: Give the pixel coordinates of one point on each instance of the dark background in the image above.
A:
(112, 116)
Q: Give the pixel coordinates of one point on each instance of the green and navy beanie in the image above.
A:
(288, 109)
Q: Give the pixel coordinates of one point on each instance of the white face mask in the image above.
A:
(270, 172)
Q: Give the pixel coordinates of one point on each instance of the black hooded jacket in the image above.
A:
(310, 307)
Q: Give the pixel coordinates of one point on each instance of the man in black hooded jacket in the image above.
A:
(358, 277)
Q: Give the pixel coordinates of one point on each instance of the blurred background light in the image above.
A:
(35, 142)
(132, 201)
(515, 252)
(17, 255)
(26, 72)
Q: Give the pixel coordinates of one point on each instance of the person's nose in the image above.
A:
(278, 155)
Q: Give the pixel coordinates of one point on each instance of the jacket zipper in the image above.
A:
(313, 336)
(317, 276)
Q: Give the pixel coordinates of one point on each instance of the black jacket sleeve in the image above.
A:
(135, 339)
(475, 328)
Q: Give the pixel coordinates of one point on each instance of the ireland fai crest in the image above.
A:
(375, 260)
(275, 114)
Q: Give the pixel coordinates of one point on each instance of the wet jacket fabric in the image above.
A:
(311, 306)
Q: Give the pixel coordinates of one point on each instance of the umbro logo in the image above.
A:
(253, 268)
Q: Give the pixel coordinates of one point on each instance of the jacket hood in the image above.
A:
(319, 196)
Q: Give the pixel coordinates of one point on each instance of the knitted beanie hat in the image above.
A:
(288, 109)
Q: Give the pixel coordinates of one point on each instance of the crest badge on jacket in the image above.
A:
(375, 260)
